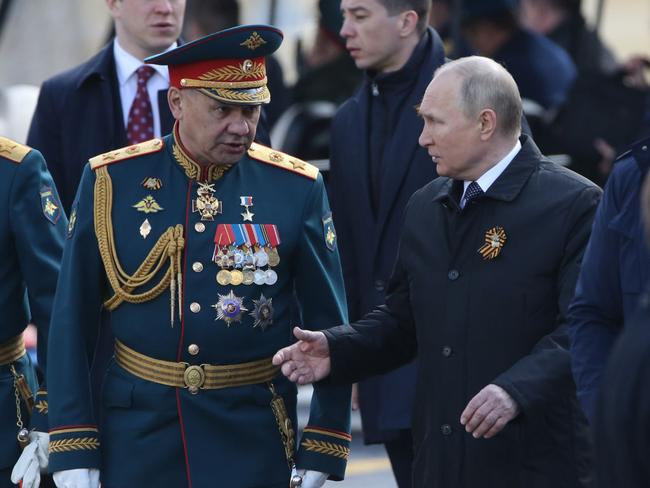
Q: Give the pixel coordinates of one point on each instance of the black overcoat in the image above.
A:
(478, 321)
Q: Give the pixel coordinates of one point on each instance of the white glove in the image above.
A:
(77, 478)
(310, 479)
(32, 461)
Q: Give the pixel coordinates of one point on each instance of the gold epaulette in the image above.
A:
(282, 160)
(128, 152)
(12, 150)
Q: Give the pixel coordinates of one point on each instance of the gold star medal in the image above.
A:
(148, 205)
(495, 238)
(246, 202)
(205, 203)
(229, 308)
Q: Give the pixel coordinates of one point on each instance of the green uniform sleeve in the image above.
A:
(325, 442)
(74, 437)
(38, 224)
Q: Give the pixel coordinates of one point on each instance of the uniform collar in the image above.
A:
(192, 169)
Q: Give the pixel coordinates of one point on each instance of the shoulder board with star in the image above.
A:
(282, 160)
(128, 152)
(12, 150)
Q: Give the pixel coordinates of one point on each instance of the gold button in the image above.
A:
(195, 307)
(193, 349)
(199, 227)
(197, 267)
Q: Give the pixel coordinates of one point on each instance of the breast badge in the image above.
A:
(150, 183)
(206, 204)
(145, 228)
(148, 205)
(263, 312)
(495, 238)
(246, 202)
(229, 308)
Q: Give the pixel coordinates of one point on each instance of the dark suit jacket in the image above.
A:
(368, 241)
(78, 116)
(476, 321)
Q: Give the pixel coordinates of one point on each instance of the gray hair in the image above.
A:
(487, 85)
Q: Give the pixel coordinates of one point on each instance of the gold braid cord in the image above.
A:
(328, 448)
(168, 247)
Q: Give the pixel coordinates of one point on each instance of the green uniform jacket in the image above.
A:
(156, 435)
(32, 233)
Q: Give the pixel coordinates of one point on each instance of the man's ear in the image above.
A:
(175, 101)
(408, 22)
(488, 123)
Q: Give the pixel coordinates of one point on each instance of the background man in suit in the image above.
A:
(495, 404)
(376, 164)
(86, 111)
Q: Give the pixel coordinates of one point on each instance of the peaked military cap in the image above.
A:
(228, 66)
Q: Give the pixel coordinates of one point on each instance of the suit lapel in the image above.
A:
(358, 136)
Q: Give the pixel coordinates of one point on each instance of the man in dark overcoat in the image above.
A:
(489, 255)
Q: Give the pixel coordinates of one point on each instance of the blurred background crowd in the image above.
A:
(580, 65)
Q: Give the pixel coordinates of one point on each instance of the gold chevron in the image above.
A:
(328, 448)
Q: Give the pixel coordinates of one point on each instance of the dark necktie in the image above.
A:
(473, 191)
(139, 126)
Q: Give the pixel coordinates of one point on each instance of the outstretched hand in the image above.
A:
(306, 361)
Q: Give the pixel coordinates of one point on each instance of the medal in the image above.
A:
(205, 203)
(238, 258)
(229, 308)
(246, 202)
(224, 277)
(274, 257)
(495, 238)
(261, 258)
(236, 277)
(271, 277)
(263, 312)
(259, 277)
(248, 277)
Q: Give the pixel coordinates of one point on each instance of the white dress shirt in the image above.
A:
(491, 175)
(126, 66)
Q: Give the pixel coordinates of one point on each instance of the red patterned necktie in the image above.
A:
(139, 127)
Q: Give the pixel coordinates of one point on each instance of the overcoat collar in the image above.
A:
(510, 183)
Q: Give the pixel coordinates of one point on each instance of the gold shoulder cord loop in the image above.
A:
(170, 246)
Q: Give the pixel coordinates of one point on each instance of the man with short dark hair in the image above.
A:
(376, 164)
(487, 264)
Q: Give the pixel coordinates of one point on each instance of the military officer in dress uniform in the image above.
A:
(32, 232)
(196, 244)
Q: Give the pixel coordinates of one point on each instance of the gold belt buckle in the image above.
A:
(194, 378)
